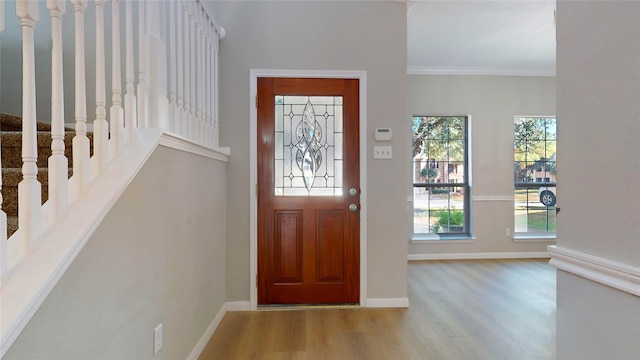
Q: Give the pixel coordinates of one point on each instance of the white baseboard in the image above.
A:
(473, 256)
(195, 353)
(388, 303)
(228, 306)
(623, 277)
(238, 306)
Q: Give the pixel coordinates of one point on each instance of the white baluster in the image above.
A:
(193, 71)
(203, 83)
(172, 67)
(116, 113)
(180, 65)
(80, 141)
(187, 69)
(207, 83)
(141, 98)
(100, 125)
(130, 112)
(216, 80)
(156, 67)
(200, 77)
(29, 197)
(58, 162)
(211, 79)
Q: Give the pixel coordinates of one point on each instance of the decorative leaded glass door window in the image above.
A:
(308, 145)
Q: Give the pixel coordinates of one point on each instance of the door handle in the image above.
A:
(353, 207)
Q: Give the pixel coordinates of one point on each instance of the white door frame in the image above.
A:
(253, 171)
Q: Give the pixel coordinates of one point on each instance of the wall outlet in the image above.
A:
(157, 339)
(507, 232)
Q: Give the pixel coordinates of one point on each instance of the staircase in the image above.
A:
(165, 53)
(11, 142)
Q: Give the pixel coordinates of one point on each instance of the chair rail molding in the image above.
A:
(623, 277)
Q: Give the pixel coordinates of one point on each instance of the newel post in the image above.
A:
(29, 198)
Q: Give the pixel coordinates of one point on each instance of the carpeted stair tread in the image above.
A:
(10, 180)
(12, 225)
(11, 122)
(12, 148)
(11, 142)
(13, 176)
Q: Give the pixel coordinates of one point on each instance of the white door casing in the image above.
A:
(253, 168)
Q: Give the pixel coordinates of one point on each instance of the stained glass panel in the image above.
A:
(308, 145)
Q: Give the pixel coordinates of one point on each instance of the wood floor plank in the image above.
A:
(475, 309)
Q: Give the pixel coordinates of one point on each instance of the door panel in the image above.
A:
(308, 159)
(288, 247)
(330, 247)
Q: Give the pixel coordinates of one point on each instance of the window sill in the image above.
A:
(433, 238)
(523, 237)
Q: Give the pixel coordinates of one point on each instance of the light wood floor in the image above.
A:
(477, 309)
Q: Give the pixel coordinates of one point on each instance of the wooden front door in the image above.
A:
(308, 191)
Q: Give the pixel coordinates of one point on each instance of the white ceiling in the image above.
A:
(481, 37)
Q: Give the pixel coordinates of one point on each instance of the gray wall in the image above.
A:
(319, 35)
(158, 257)
(492, 102)
(598, 84)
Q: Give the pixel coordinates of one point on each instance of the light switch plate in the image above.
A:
(382, 152)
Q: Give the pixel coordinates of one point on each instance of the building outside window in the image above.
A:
(534, 148)
(440, 176)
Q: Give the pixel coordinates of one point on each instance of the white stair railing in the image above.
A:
(176, 90)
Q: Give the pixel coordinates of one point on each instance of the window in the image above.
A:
(534, 148)
(440, 175)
